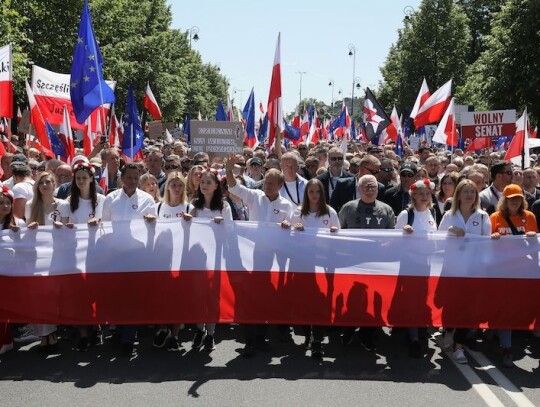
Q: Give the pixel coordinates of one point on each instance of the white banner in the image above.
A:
(6, 63)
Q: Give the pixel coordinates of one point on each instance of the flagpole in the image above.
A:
(525, 131)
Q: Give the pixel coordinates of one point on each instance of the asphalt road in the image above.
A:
(347, 376)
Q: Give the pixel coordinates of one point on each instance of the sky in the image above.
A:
(240, 37)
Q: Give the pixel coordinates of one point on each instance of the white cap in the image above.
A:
(79, 158)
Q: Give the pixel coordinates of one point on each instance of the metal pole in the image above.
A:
(300, 73)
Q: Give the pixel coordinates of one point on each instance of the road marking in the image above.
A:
(504, 383)
(477, 384)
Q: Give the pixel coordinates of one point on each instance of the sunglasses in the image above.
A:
(171, 167)
(336, 158)
(254, 165)
(241, 164)
(507, 172)
(387, 169)
(372, 172)
(407, 175)
(369, 187)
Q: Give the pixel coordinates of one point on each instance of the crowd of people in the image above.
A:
(302, 186)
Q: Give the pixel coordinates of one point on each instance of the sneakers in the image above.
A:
(161, 338)
(27, 337)
(316, 350)
(415, 350)
(172, 344)
(198, 339)
(507, 359)
(209, 344)
(459, 357)
(6, 348)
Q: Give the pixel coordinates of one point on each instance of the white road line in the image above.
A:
(504, 383)
(477, 384)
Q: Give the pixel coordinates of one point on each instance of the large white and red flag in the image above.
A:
(104, 180)
(51, 90)
(78, 276)
(89, 137)
(38, 121)
(518, 151)
(446, 132)
(423, 96)
(275, 107)
(65, 134)
(6, 81)
(151, 104)
(313, 136)
(433, 109)
(391, 132)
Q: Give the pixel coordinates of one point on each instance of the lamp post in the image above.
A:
(331, 83)
(193, 34)
(408, 11)
(300, 73)
(352, 53)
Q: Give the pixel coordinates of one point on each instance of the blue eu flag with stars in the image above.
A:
(58, 147)
(88, 89)
(133, 132)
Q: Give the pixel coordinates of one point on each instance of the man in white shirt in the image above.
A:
(129, 203)
(294, 185)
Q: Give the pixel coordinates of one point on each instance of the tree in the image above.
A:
(432, 44)
(505, 75)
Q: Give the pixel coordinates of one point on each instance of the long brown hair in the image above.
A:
(322, 207)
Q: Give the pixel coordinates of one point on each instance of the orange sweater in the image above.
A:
(523, 223)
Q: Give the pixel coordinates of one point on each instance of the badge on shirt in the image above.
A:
(276, 211)
(476, 223)
(325, 221)
(134, 207)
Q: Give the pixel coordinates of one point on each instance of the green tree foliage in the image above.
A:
(137, 44)
(506, 75)
(432, 44)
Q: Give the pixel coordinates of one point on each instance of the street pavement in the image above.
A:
(285, 376)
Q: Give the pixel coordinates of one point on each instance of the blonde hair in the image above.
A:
(191, 190)
(37, 206)
(172, 176)
(145, 178)
(457, 195)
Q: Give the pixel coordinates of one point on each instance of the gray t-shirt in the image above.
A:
(359, 215)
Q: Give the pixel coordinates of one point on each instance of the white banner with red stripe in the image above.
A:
(247, 272)
(6, 81)
(51, 90)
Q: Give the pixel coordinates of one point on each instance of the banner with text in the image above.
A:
(248, 272)
(216, 138)
(494, 123)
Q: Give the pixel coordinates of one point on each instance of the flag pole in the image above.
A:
(525, 134)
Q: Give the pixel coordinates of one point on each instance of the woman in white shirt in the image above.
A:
(314, 211)
(418, 217)
(209, 203)
(84, 205)
(173, 206)
(464, 217)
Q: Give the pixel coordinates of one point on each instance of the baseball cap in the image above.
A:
(256, 160)
(409, 167)
(19, 158)
(79, 158)
(512, 190)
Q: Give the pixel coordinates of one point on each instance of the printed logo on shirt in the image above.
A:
(134, 207)
(325, 221)
(276, 211)
(475, 223)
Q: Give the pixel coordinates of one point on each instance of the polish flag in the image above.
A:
(518, 151)
(433, 109)
(275, 107)
(114, 139)
(261, 108)
(88, 139)
(6, 81)
(19, 115)
(479, 143)
(104, 180)
(422, 97)
(230, 110)
(36, 118)
(168, 136)
(304, 125)
(66, 136)
(391, 132)
(150, 103)
(446, 132)
(99, 130)
(313, 135)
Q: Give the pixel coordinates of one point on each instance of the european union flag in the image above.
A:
(133, 132)
(249, 115)
(399, 145)
(340, 121)
(221, 116)
(88, 90)
(58, 147)
(263, 130)
(291, 132)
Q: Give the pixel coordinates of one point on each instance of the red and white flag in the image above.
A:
(391, 132)
(313, 135)
(37, 120)
(114, 139)
(65, 134)
(151, 104)
(6, 81)
(104, 180)
(19, 114)
(230, 110)
(88, 138)
(518, 151)
(168, 136)
(433, 109)
(275, 107)
(423, 96)
(446, 132)
(261, 108)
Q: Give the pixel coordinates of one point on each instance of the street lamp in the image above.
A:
(352, 52)
(357, 84)
(331, 83)
(408, 11)
(300, 73)
(193, 34)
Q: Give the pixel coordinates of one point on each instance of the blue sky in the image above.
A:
(240, 36)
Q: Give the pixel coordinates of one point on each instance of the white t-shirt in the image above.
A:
(49, 217)
(423, 221)
(119, 206)
(24, 190)
(260, 207)
(226, 213)
(312, 221)
(83, 212)
(165, 211)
